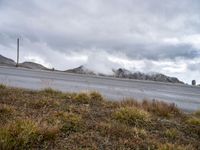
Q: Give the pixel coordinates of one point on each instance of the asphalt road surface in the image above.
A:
(184, 96)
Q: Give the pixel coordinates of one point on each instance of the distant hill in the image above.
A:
(30, 65)
(6, 61)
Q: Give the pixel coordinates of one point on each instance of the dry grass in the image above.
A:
(131, 116)
(50, 119)
(157, 107)
(95, 97)
(48, 132)
(197, 113)
(171, 133)
(169, 146)
(18, 134)
(2, 86)
(6, 112)
(194, 121)
(82, 98)
(44, 102)
(72, 123)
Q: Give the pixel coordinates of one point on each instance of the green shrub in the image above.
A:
(131, 116)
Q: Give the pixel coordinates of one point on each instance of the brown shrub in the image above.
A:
(19, 134)
(131, 116)
(169, 146)
(82, 98)
(95, 97)
(157, 107)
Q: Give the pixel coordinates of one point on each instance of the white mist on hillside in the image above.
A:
(101, 61)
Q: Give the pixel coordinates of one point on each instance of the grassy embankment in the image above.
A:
(51, 119)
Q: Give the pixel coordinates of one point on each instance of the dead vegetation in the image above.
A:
(50, 119)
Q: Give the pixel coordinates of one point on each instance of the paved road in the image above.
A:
(184, 96)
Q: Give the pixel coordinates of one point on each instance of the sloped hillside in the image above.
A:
(6, 61)
(50, 119)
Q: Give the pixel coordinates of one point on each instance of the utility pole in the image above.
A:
(17, 52)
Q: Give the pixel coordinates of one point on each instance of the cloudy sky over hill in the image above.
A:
(140, 35)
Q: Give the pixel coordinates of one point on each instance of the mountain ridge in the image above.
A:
(117, 73)
(124, 73)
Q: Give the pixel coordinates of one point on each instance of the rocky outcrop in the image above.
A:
(80, 70)
(123, 73)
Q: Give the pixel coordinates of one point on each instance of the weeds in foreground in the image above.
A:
(131, 116)
(156, 107)
(193, 121)
(49, 132)
(51, 93)
(44, 102)
(82, 98)
(50, 119)
(2, 86)
(72, 123)
(24, 134)
(96, 97)
(169, 146)
(18, 134)
(197, 113)
(6, 112)
(88, 98)
(171, 133)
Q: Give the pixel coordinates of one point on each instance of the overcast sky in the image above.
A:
(139, 35)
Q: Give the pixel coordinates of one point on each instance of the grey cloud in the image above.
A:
(194, 66)
(134, 28)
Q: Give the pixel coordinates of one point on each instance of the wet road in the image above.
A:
(184, 96)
